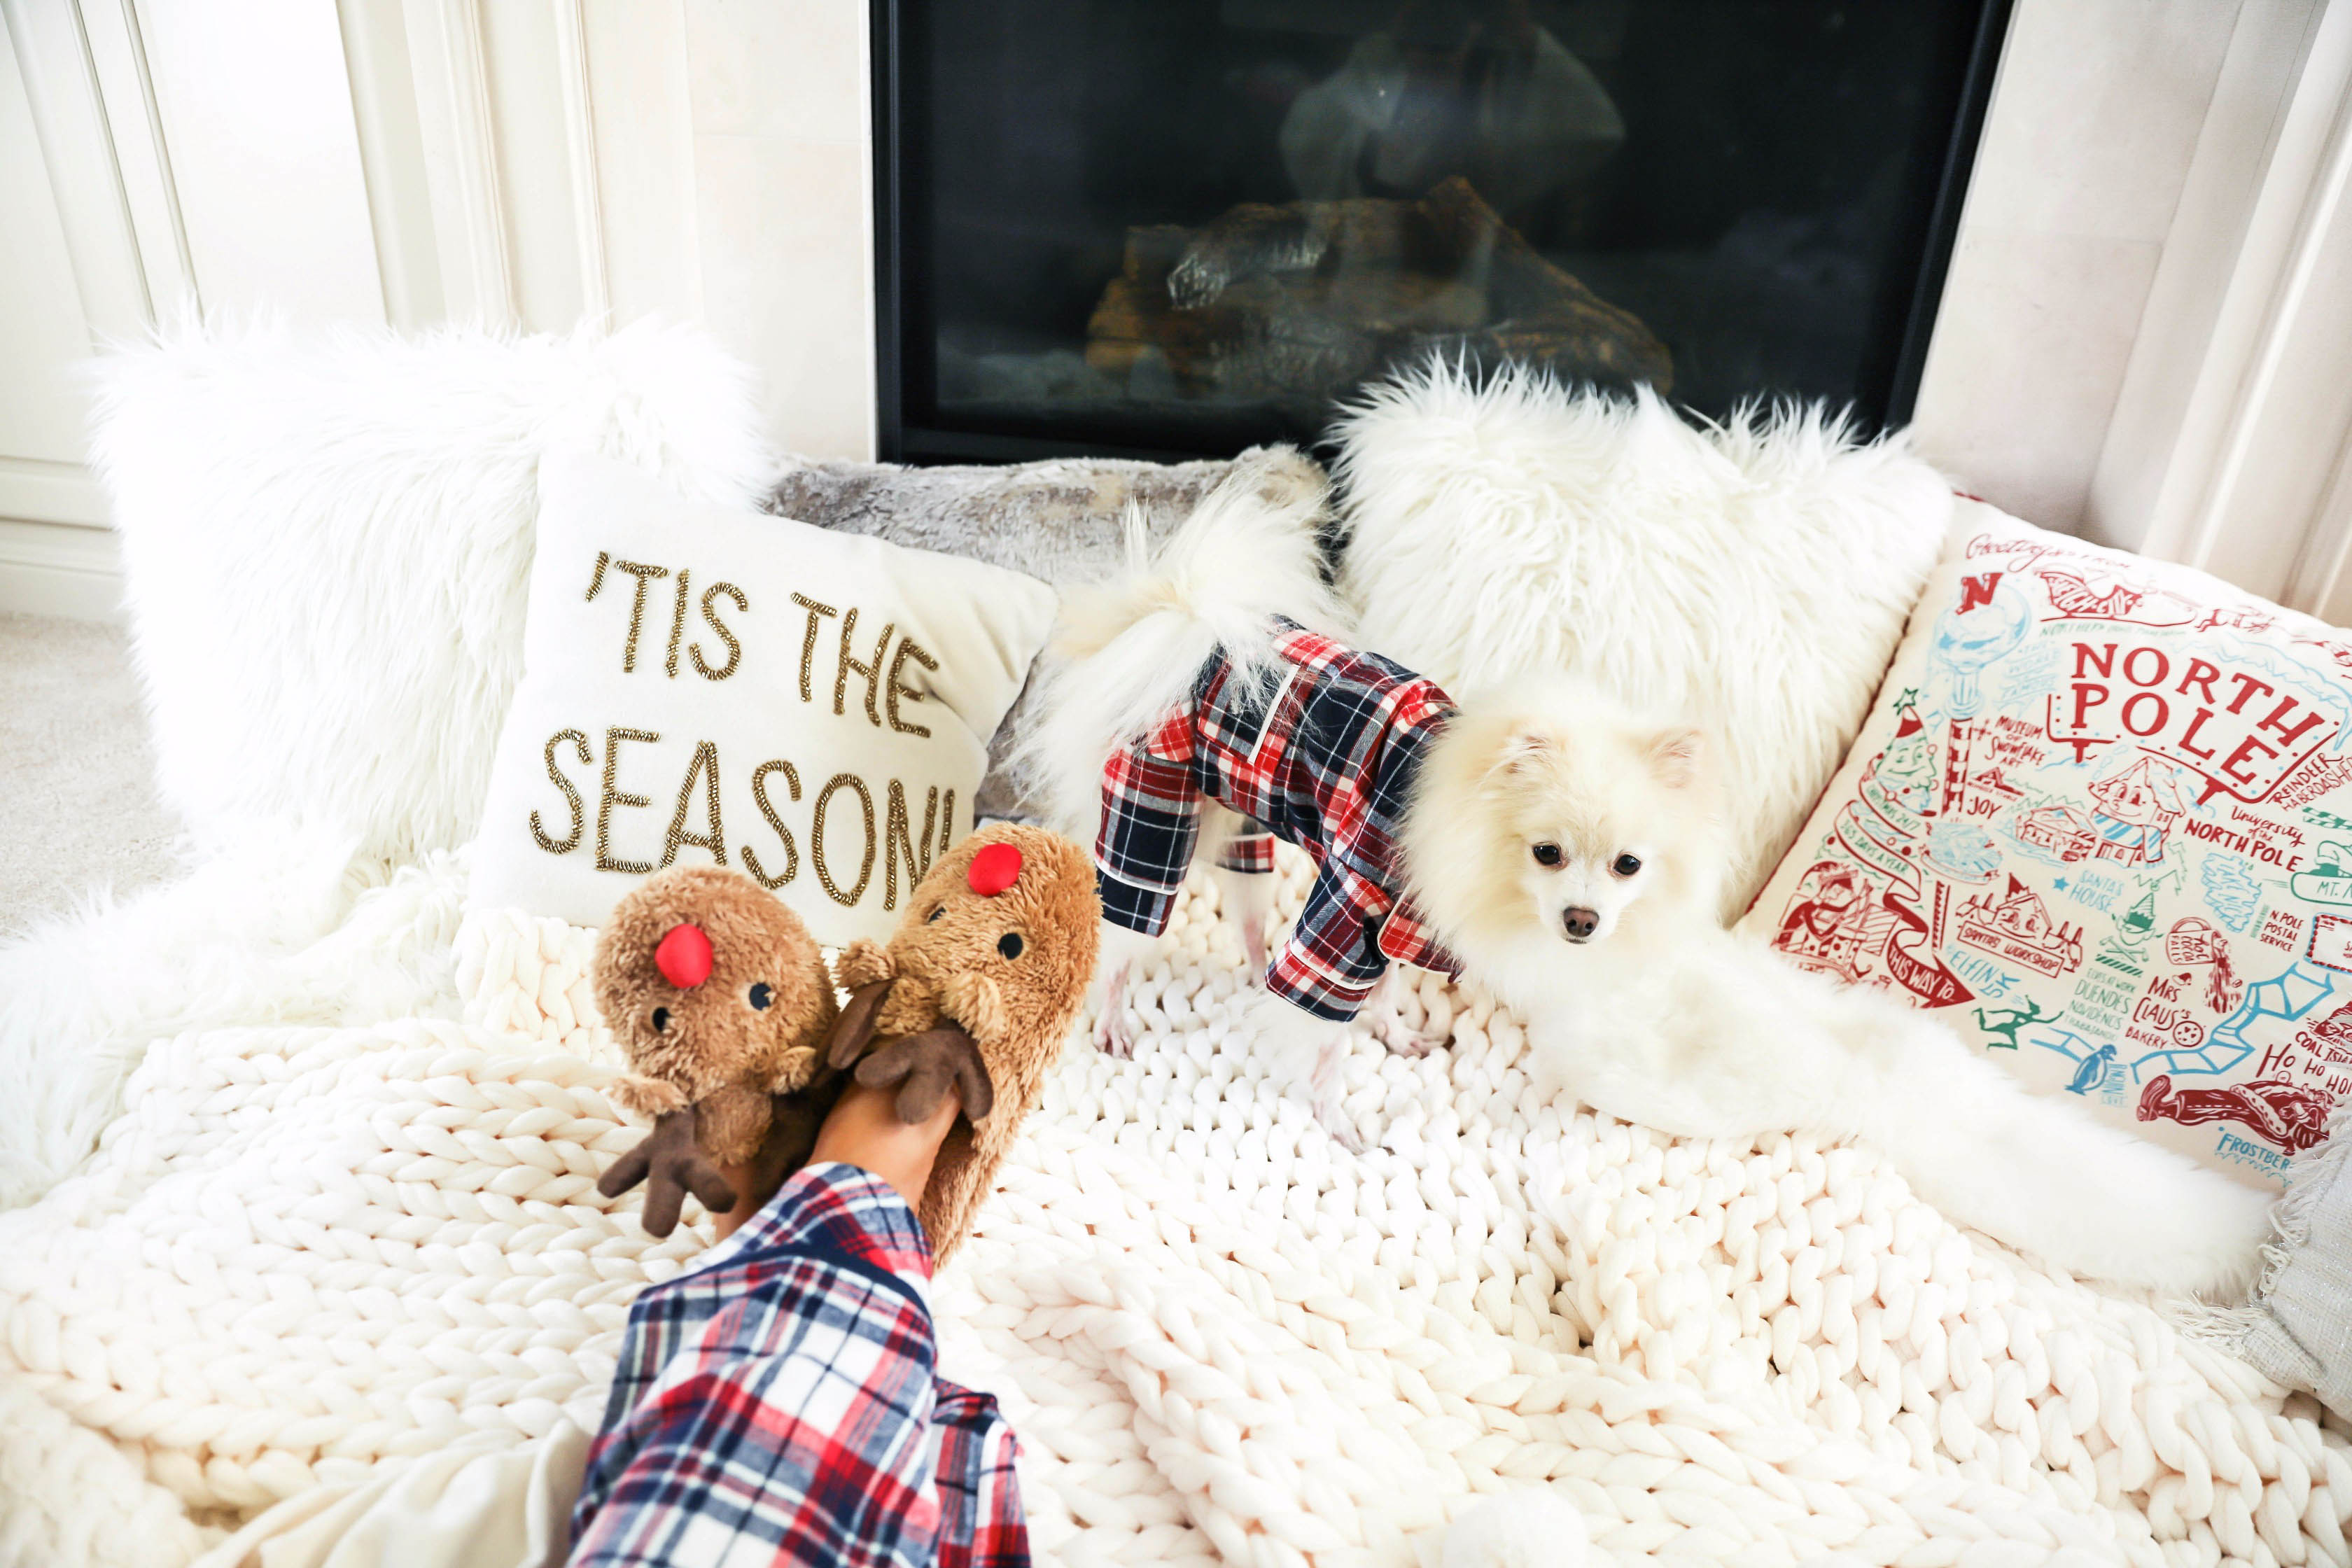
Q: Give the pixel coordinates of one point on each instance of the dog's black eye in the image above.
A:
(935, 914)
(1547, 854)
(1625, 865)
(762, 995)
(1009, 944)
(661, 1019)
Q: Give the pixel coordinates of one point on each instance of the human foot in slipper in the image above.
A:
(972, 997)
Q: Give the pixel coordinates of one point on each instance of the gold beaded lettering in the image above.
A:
(705, 763)
(817, 838)
(760, 796)
(908, 649)
(947, 819)
(570, 796)
(644, 574)
(676, 626)
(596, 578)
(898, 837)
(734, 649)
(612, 797)
(808, 643)
(872, 672)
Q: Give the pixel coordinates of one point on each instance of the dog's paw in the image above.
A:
(1114, 1036)
(1402, 1031)
(1399, 1038)
(1253, 950)
(1333, 1118)
(1324, 1086)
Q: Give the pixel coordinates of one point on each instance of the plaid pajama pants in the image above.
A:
(780, 1404)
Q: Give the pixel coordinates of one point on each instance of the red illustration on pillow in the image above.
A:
(2293, 1117)
(2101, 816)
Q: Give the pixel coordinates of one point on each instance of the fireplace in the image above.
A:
(1177, 228)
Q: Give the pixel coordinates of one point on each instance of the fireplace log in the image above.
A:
(1301, 302)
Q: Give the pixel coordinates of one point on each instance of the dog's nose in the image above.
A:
(1580, 923)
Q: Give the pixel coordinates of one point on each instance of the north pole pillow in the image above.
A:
(2100, 820)
(707, 685)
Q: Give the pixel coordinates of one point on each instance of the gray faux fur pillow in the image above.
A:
(1059, 520)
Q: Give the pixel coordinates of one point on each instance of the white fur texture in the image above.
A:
(1659, 1015)
(326, 541)
(326, 544)
(1527, 1527)
(282, 926)
(1127, 649)
(1755, 576)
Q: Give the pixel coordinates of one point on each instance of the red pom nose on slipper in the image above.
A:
(684, 957)
(994, 868)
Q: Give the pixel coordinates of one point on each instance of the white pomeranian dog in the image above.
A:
(1211, 683)
(1570, 853)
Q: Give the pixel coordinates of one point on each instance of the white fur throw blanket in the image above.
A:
(304, 1253)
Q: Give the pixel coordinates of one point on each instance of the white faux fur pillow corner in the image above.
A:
(710, 684)
(1755, 576)
(326, 543)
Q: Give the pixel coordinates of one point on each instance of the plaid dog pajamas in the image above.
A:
(1325, 760)
(779, 1406)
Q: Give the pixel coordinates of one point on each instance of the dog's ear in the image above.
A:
(1529, 748)
(1676, 755)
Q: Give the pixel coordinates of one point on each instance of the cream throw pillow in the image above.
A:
(706, 684)
(2097, 820)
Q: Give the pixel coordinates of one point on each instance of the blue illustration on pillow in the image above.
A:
(1963, 850)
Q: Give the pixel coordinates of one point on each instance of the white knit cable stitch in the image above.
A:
(302, 1252)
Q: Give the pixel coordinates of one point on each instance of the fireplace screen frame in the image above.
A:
(1885, 399)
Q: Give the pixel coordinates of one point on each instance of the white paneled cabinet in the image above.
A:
(527, 164)
(70, 274)
(156, 157)
(42, 329)
(256, 111)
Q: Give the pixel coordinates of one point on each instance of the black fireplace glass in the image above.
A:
(1187, 225)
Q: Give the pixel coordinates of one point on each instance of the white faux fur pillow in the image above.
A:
(1753, 575)
(326, 543)
(709, 684)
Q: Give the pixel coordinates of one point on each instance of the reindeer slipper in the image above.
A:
(976, 991)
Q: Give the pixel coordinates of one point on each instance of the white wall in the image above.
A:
(525, 163)
(2143, 338)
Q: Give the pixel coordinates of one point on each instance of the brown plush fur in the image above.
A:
(944, 963)
(716, 1051)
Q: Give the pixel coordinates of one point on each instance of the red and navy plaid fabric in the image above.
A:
(779, 1406)
(1250, 852)
(1325, 760)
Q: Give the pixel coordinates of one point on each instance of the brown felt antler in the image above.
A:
(925, 1067)
(923, 1064)
(854, 1027)
(671, 1164)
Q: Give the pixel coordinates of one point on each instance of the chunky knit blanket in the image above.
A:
(302, 1255)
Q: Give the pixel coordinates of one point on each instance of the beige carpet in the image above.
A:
(81, 817)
